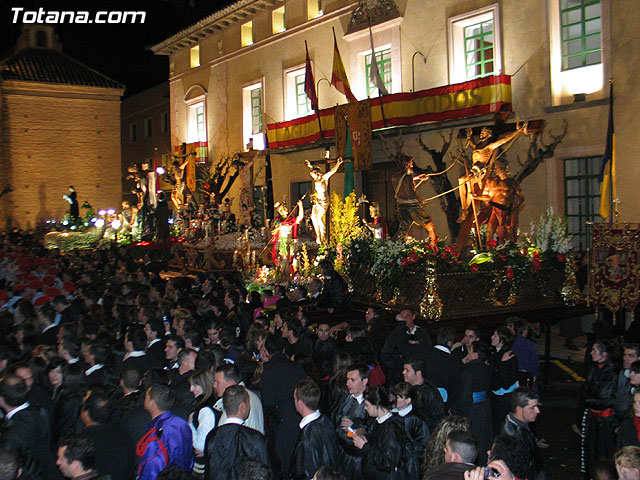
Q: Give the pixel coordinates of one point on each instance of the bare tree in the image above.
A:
(538, 151)
(449, 201)
(217, 180)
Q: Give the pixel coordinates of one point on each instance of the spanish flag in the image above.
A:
(607, 176)
(339, 76)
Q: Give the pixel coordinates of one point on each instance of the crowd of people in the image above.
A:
(110, 370)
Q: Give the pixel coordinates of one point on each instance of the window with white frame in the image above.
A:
(580, 32)
(252, 96)
(474, 45)
(383, 59)
(196, 122)
(386, 43)
(297, 104)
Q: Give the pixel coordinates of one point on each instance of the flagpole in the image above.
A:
(373, 59)
(612, 153)
(317, 107)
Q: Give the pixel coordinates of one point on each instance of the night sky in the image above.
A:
(120, 51)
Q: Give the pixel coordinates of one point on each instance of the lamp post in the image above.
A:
(413, 79)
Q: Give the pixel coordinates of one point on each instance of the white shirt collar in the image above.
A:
(359, 398)
(233, 420)
(405, 410)
(443, 348)
(155, 340)
(89, 371)
(309, 418)
(16, 410)
(49, 327)
(384, 418)
(73, 360)
(134, 354)
(412, 330)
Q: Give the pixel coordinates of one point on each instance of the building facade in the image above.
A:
(145, 132)
(243, 67)
(60, 126)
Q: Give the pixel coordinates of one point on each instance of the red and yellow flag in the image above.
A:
(338, 75)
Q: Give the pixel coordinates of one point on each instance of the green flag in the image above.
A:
(348, 165)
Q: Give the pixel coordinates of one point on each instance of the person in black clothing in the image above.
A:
(65, 417)
(317, 443)
(335, 293)
(599, 398)
(504, 374)
(279, 379)
(471, 334)
(324, 351)
(428, 400)
(297, 343)
(525, 410)
(76, 459)
(230, 444)
(383, 448)
(473, 401)
(407, 340)
(114, 450)
(415, 426)
(72, 198)
(629, 430)
(348, 415)
(26, 430)
(135, 343)
(443, 369)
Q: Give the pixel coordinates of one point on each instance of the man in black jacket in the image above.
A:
(26, 430)
(114, 449)
(525, 408)
(230, 444)
(317, 442)
(279, 379)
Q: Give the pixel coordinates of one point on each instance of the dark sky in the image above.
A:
(120, 51)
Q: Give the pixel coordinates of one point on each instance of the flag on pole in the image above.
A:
(607, 176)
(338, 75)
(374, 71)
(349, 180)
(309, 82)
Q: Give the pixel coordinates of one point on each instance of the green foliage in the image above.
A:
(345, 222)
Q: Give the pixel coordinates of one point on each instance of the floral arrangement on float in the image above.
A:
(501, 272)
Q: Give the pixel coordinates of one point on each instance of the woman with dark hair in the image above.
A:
(203, 419)
(337, 385)
(504, 374)
(55, 375)
(65, 417)
(415, 426)
(383, 450)
(598, 434)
